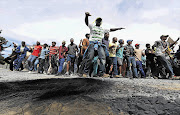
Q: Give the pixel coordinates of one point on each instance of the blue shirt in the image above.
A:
(44, 52)
(120, 52)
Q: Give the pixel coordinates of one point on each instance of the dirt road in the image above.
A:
(37, 94)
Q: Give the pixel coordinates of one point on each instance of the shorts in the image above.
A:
(71, 58)
(120, 61)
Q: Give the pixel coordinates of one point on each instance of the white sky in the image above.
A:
(56, 20)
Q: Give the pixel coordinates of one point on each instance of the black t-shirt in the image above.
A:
(149, 56)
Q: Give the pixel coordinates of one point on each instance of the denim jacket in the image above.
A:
(18, 50)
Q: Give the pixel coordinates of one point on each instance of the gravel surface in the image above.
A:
(119, 95)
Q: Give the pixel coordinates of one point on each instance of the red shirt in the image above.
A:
(37, 50)
(53, 50)
(62, 50)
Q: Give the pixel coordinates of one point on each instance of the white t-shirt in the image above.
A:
(22, 49)
(97, 33)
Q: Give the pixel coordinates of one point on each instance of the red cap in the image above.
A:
(137, 44)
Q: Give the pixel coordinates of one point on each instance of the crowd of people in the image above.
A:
(96, 56)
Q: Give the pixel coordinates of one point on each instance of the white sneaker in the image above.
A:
(67, 73)
(120, 75)
(30, 72)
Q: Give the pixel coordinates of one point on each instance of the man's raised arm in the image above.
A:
(86, 18)
(115, 29)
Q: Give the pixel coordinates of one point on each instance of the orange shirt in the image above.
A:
(85, 45)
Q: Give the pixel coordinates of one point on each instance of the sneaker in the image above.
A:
(106, 75)
(48, 74)
(172, 77)
(95, 75)
(67, 73)
(111, 76)
(84, 75)
(120, 75)
(58, 74)
(40, 72)
(117, 76)
(30, 72)
(16, 69)
(155, 77)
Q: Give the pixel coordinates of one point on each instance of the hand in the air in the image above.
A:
(87, 14)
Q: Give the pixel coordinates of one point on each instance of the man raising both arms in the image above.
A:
(96, 35)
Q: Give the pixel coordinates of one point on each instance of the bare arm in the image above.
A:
(115, 29)
(86, 18)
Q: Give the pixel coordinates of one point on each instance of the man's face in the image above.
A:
(15, 45)
(63, 44)
(23, 43)
(148, 46)
(130, 42)
(164, 38)
(37, 43)
(137, 46)
(115, 40)
(88, 36)
(121, 42)
(53, 43)
(98, 22)
(106, 35)
(71, 40)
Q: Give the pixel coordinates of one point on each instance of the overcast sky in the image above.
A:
(56, 20)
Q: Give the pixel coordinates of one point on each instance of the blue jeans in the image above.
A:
(114, 62)
(95, 65)
(35, 64)
(18, 61)
(61, 62)
(131, 60)
(30, 60)
(89, 56)
(140, 68)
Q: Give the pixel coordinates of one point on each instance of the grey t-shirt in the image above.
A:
(129, 50)
(72, 49)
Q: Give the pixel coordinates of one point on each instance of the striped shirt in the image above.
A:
(96, 33)
(53, 50)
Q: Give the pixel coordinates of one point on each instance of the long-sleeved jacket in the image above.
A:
(18, 50)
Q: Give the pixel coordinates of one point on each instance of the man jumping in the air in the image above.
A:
(96, 47)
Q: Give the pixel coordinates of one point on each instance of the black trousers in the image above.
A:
(41, 65)
(108, 64)
(10, 61)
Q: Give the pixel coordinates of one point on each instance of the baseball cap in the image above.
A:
(164, 36)
(129, 40)
(137, 44)
(63, 41)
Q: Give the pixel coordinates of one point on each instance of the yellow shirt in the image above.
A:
(112, 50)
